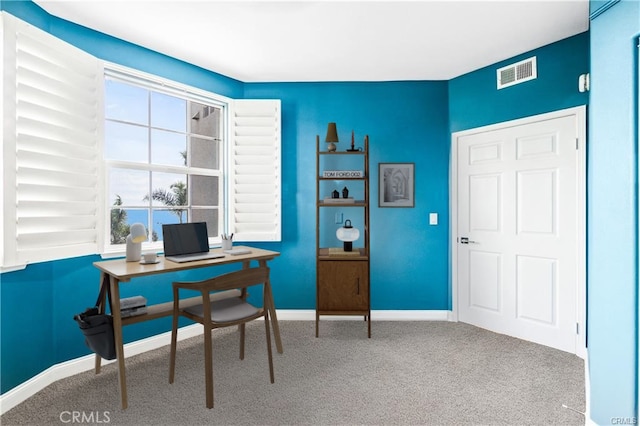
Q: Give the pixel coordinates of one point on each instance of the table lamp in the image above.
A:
(137, 234)
(347, 234)
(332, 137)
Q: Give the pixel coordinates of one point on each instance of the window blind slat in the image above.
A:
(32, 225)
(55, 147)
(55, 87)
(254, 207)
(30, 127)
(256, 179)
(265, 220)
(256, 169)
(253, 228)
(254, 187)
(54, 116)
(39, 161)
(251, 140)
(265, 122)
(47, 209)
(55, 178)
(41, 104)
(52, 240)
(267, 150)
(253, 199)
(41, 192)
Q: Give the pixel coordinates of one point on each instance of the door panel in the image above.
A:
(536, 289)
(517, 197)
(484, 202)
(484, 281)
(537, 202)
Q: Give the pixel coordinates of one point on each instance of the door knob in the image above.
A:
(466, 240)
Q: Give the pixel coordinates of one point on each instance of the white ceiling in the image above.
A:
(283, 41)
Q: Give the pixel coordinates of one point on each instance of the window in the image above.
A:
(163, 158)
(81, 150)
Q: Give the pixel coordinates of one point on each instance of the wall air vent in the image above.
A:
(517, 73)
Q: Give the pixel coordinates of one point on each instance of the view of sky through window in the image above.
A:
(163, 159)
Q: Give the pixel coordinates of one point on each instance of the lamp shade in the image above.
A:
(332, 133)
(137, 234)
(348, 234)
(332, 137)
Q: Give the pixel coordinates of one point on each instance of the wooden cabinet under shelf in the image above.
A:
(342, 280)
(344, 287)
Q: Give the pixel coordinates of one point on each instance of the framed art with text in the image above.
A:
(396, 184)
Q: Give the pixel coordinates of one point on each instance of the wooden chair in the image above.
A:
(221, 313)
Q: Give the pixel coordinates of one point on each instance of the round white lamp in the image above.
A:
(347, 234)
(137, 234)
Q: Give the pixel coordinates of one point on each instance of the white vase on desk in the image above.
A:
(134, 250)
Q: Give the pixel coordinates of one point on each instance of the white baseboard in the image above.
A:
(587, 393)
(377, 315)
(69, 368)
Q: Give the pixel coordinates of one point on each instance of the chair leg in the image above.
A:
(174, 340)
(242, 329)
(266, 326)
(208, 367)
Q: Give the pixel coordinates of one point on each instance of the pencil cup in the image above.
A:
(226, 244)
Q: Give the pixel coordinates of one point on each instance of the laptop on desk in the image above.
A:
(187, 242)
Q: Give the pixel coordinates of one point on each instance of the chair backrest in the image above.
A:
(233, 280)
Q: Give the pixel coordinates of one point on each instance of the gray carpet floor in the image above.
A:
(408, 373)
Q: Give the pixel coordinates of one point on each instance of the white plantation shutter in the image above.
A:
(255, 170)
(51, 124)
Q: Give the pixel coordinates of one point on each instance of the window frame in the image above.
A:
(168, 87)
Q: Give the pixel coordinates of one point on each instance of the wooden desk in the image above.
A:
(114, 272)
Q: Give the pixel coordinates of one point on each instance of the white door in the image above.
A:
(518, 237)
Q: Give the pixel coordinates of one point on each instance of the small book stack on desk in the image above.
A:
(131, 306)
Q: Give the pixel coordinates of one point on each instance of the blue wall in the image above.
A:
(612, 211)
(406, 122)
(475, 100)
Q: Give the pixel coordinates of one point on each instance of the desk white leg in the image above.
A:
(117, 334)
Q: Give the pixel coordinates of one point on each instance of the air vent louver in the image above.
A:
(517, 73)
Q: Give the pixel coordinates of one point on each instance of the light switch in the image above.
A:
(433, 218)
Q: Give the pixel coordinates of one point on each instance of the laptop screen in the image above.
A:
(185, 238)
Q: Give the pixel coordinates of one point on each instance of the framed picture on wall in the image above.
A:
(396, 184)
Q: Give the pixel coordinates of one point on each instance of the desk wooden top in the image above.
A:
(124, 271)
